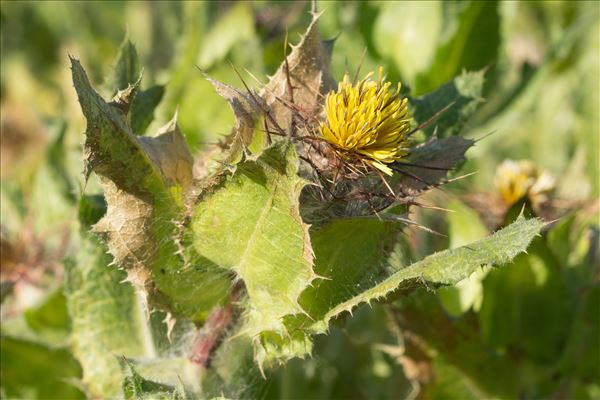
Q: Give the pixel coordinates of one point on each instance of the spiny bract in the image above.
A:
(366, 118)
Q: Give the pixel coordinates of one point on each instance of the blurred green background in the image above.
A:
(529, 330)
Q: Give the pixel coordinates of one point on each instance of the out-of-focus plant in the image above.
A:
(232, 269)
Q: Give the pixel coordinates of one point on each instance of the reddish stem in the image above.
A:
(213, 331)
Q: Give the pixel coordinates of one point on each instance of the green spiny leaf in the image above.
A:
(451, 266)
(127, 71)
(107, 319)
(246, 107)
(431, 163)
(457, 100)
(351, 254)
(136, 387)
(306, 70)
(443, 268)
(251, 225)
(146, 181)
(127, 67)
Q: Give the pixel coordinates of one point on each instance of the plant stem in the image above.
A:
(211, 334)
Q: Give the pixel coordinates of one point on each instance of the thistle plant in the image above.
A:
(516, 180)
(296, 219)
(520, 186)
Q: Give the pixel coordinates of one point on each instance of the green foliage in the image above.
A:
(35, 371)
(464, 226)
(127, 67)
(50, 319)
(145, 182)
(110, 321)
(106, 316)
(409, 34)
(348, 284)
(234, 26)
(234, 269)
(126, 71)
(470, 41)
(270, 250)
(135, 387)
(429, 164)
(350, 255)
(142, 109)
(540, 319)
(456, 100)
(450, 266)
(234, 373)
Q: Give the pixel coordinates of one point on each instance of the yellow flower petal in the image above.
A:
(518, 179)
(368, 119)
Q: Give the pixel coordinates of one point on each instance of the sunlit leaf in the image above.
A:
(106, 316)
(146, 181)
(407, 32)
(307, 67)
(251, 225)
(440, 269)
(464, 226)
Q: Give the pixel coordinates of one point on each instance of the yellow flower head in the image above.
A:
(517, 179)
(368, 119)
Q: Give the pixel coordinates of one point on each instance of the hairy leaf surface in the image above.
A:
(251, 225)
(246, 107)
(146, 181)
(107, 319)
(136, 387)
(443, 268)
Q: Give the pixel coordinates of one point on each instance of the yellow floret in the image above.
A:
(368, 119)
(518, 179)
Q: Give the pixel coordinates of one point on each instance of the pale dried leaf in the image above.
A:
(309, 78)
